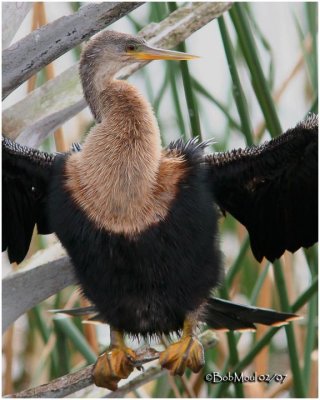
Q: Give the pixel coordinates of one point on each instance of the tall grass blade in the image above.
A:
(172, 71)
(238, 93)
(299, 387)
(68, 329)
(263, 40)
(312, 19)
(258, 80)
(45, 333)
(187, 84)
(204, 92)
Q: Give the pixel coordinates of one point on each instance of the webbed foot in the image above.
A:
(112, 366)
(115, 364)
(186, 353)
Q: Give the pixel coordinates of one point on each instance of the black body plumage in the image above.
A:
(147, 284)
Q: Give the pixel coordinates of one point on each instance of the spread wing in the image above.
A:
(25, 177)
(272, 189)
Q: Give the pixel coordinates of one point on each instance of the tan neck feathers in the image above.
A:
(120, 170)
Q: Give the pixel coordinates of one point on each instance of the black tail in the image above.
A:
(225, 315)
(219, 314)
(76, 312)
(80, 312)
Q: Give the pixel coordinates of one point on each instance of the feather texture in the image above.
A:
(26, 173)
(148, 283)
(272, 189)
(225, 315)
(217, 313)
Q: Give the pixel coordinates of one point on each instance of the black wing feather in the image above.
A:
(272, 189)
(26, 173)
(223, 314)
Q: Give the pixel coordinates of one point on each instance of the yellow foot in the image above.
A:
(113, 366)
(187, 352)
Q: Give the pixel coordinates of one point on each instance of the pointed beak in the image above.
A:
(150, 53)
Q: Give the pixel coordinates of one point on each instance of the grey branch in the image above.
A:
(37, 132)
(23, 290)
(65, 90)
(13, 14)
(73, 382)
(151, 374)
(27, 56)
(60, 387)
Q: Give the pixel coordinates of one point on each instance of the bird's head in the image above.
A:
(113, 51)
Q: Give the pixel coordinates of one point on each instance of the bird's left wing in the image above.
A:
(272, 189)
(25, 177)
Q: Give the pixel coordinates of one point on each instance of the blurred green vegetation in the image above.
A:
(66, 341)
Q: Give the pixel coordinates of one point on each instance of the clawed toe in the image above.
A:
(186, 353)
(113, 366)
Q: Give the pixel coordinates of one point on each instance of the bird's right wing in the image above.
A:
(272, 189)
(25, 177)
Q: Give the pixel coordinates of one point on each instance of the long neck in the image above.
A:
(126, 144)
(118, 166)
(94, 76)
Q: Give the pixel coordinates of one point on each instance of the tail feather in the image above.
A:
(77, 312)
(226, 315)
(223, 322)
(219, 314)
(95, 318)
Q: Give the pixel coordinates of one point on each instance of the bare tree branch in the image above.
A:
(149, 375)
(60, 387)
(65, 90)
(36, 133)
(27, 56)
(24, 289)
(12, 16)
(73, 382)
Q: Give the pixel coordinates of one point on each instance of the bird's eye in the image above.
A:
(131, 47)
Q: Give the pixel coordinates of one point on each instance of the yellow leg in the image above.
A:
(115, 364)
(187, 352)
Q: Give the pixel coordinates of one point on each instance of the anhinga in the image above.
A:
(140, 222)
